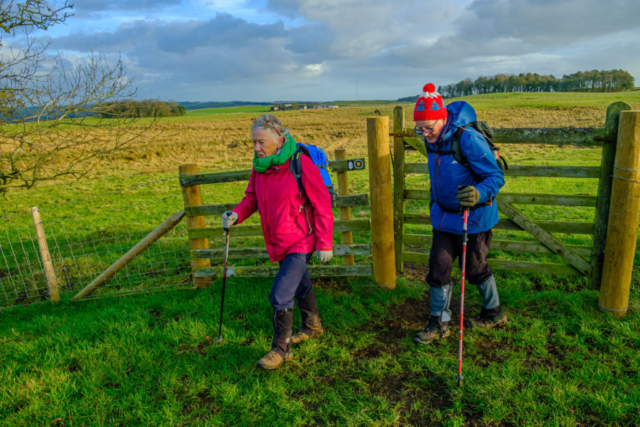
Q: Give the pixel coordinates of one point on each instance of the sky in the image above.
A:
(321, 50)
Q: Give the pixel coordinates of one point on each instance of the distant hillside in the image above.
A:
(193, 105)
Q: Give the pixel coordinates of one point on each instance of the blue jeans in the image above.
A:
(292, 281)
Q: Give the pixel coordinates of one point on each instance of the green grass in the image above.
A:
(152, 359)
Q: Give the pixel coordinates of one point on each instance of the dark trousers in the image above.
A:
(292, 281)
(447, 247)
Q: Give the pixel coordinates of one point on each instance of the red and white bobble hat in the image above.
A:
(430, 105)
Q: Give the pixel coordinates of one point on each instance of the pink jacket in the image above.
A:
(274, 194)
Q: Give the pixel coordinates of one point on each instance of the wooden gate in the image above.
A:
(582, 260)
(191, 181)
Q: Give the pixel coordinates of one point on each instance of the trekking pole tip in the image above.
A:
(220, 340)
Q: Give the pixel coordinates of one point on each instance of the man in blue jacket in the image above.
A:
(453, 186)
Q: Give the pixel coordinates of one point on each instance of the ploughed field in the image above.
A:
(152, 358)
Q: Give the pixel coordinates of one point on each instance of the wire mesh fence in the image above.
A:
(82, 248)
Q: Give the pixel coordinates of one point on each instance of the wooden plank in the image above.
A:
(256, 230)
(348, 165)
(139, 248)
(215, 177)
(417, 144)
(341, 202)
(502, 245)
(548, 136)
(604, 192)
(398, 185)
(568, 227)
(552, 136)
(345, 213)
(243, 175)
(520, 170)
(314, 271)
(524, 198)
(508, 265)
(544, 237)
(234, 253)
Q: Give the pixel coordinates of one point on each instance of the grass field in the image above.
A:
(152, 359)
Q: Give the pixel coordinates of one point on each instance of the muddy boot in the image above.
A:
(435, 329)
(311, 326)
(488, 318)
(281, 343)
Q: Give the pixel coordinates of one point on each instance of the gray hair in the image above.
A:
(273, 123)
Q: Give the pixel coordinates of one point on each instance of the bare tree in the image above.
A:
(56, 118)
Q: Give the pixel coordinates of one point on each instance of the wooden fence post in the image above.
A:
(398, 185)
(345, 213)
(49, 272)
(604, 191)
(382, 241)
(192, 196)
(623, 218)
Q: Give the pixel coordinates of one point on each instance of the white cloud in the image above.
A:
(320, 47)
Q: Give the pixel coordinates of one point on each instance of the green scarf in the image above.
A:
(286, 152)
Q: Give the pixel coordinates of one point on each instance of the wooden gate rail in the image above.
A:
(199, 234)
(338, 250)
(575, 255)
(314, 271)
(347, 165)
(351, 200)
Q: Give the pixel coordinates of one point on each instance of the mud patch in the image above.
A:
(407, 388)
(415, 272)
(402, 320)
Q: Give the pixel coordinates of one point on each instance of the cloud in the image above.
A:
(84, 6)
(391, 48)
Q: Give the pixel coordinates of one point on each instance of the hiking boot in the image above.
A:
(434, 330)
(281, 342)
(488, 318)
(273, 360)
(311, 326)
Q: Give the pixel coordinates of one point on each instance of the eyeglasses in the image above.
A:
(421, 130)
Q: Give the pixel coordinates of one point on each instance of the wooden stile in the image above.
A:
(47, 265)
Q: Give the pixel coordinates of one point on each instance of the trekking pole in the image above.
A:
(465, 219)
(224, 282)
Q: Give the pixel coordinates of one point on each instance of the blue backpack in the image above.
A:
(319, 158)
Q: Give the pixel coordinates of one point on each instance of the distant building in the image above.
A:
(303, 107)
(287, 107)
(275, 108)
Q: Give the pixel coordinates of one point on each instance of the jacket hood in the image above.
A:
(460, 114)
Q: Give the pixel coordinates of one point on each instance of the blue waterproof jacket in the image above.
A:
(446, 175)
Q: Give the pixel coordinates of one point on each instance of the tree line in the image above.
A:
(582, 81)
(143, 108)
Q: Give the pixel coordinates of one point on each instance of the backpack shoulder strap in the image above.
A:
(457, 152)
(295, 167)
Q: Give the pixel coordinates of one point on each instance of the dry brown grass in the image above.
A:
(221, 142)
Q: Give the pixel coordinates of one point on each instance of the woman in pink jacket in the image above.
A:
(291, 235)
